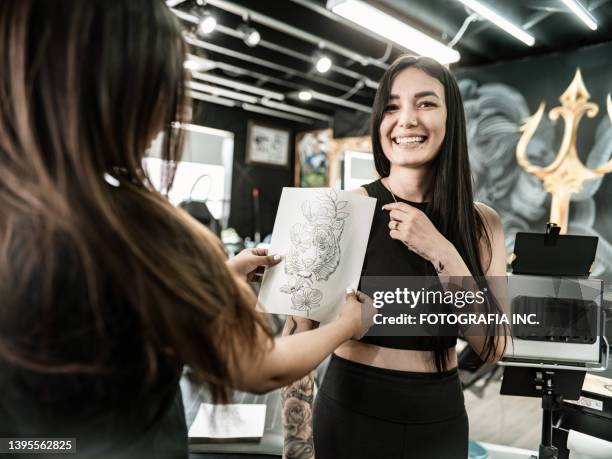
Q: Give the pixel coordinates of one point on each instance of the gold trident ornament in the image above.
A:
(566, 174)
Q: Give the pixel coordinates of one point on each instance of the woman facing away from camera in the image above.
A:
(107, 290)
(400, 397)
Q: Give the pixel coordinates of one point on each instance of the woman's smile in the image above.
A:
(409, 141)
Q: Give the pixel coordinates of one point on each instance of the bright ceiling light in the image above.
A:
(322, 63)
(582, 13)
(191, 64)
(499, 21)
(207, 24)
(250, 36)
(393, 29)
(305, 95)
(197, 64)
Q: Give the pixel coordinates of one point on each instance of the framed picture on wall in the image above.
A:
(311, 161)
(267, 145)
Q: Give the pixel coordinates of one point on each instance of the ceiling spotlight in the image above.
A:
(250, 36)
(191, 64)
(322, 62)
(207, 24)
(305, 95)
(198, 64)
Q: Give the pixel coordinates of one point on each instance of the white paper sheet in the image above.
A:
(235, 422)
(582, 446)
(322, 234)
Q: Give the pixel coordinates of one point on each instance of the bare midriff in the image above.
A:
(392, 359)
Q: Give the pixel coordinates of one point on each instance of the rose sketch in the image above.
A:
(314, 254)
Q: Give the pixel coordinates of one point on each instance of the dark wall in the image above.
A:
(269, 179)
(351, 123)
(545, 78)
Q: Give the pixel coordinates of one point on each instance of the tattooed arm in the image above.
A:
(296, 402)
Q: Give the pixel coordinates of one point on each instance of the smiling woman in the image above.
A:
(397, 396)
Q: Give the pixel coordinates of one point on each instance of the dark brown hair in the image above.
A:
(452, 208)
(85, 88)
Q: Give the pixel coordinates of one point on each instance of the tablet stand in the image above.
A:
(552, 386)
(550, 254)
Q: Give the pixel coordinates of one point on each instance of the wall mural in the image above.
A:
(567, 174)
(495, 114)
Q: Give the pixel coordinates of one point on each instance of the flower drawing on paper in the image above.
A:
(314, 253)
(306, 298)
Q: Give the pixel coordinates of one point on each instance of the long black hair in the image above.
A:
(451, 208)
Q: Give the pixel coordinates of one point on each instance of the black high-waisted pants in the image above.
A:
(364, 412)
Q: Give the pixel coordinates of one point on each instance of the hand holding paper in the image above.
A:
(251, 263)
(323, 234)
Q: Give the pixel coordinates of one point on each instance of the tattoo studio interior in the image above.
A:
(342, 229)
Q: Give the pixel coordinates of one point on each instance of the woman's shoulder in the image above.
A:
(369, 189)
(490, 217)
(494, 245)
(361, 190)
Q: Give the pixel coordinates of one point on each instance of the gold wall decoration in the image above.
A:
(566, 174)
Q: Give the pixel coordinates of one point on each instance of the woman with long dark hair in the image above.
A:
(400, 396)
(106, 289)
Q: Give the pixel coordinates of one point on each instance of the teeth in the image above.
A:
(414, 139)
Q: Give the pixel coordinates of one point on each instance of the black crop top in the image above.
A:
(389, 257)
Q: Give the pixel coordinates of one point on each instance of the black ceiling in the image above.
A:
(282, 65)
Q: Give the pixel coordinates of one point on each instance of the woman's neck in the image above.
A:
(409, 184)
